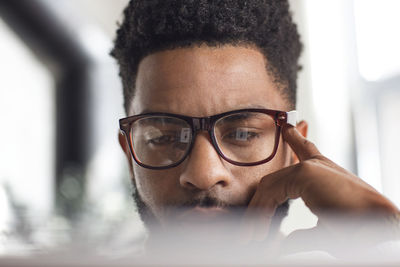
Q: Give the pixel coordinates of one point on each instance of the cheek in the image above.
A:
(282, 157)
(249, 177)
(155, 186)
(284, 154)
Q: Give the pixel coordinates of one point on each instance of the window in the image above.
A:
(27, 126)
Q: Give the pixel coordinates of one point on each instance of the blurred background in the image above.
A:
(63, 177)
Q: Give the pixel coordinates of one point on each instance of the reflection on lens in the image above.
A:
(246, 137)
(160, 140)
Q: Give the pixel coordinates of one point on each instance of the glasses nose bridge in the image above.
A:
(204, 124)
(201, 124)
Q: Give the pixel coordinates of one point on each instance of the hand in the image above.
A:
(326, 189)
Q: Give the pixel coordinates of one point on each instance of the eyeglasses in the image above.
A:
(245, 137)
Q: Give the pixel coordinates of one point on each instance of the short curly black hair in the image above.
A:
(156, 25)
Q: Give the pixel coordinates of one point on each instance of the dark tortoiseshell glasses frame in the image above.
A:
(207, 124)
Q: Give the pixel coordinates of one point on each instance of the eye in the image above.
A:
(240, 135)
(162, 140)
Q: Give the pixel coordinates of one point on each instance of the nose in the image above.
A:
(204, 168)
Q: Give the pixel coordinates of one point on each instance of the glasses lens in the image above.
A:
(160, 140)
(246, 137)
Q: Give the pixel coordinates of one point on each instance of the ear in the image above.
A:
(125, 147)
(302, 127)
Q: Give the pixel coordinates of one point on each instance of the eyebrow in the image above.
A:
(163, 121)
(242, 116)
(146, 111)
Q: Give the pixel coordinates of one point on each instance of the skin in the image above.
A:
(203, 81)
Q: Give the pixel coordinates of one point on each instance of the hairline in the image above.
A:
(282, 86)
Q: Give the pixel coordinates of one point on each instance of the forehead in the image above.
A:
(203, 81)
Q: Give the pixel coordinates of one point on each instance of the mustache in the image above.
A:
(205, 202)
(208, 201)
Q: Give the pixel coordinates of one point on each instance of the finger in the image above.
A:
(256, 224)
(273, 190)
(258, 216)
(303, 148)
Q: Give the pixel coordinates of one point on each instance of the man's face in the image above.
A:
(203, 81)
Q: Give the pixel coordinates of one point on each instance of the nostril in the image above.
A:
(189, 185)
(222, 183)
(202, 184)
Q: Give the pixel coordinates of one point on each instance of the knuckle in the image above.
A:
(303, 171)
(308, 167)
(305, 166)
(307, 143)
(290, 186)
(265, 182)
(319, 157)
